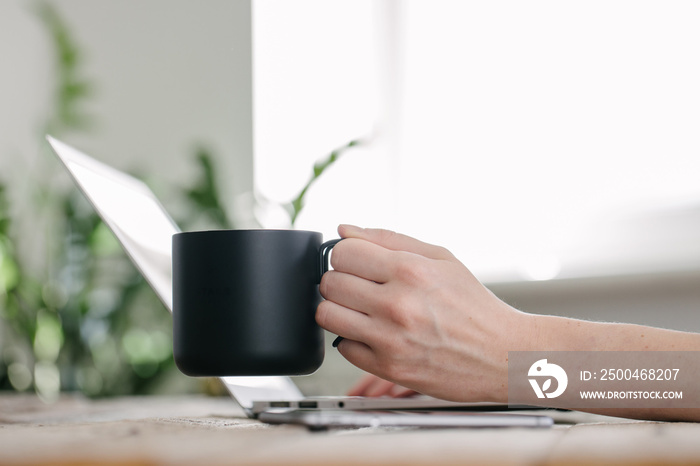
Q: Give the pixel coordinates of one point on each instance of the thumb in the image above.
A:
(395, 241)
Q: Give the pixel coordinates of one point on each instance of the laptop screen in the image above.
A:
(145, 230)
(131, 211)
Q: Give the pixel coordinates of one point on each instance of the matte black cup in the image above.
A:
(244, 302)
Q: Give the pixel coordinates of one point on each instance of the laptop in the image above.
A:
(144, 229)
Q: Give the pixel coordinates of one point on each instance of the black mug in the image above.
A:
(244, 302)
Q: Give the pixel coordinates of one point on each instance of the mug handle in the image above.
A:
(324, 256)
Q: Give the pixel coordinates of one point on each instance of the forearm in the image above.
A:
(550, 333)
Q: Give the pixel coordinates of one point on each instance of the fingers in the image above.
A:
(363, 259)
(364, 357)
(342, 321)
(362, 386)
(357, 353)
(371, 385)
(351, 291)
(395, 241)
(378, 387)
(402, 392)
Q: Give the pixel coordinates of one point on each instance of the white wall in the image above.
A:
(668, 300)
(24, 84)
(316, 90)
(168, 74)
(536, 125)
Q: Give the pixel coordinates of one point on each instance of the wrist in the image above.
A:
(522, 333)
(530, 332)
(554, 333)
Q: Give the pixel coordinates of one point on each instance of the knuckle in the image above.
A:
(398, 308)
(412, 271)
(395, 371)
(386, 236)
(444, 253)
(403, 270)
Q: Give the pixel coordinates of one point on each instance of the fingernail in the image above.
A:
(337, 341)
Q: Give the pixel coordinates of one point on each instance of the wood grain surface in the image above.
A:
(201, 430)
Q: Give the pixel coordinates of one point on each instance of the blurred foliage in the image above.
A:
(71, 88)
(89, 322)
(204, 195)
(295, 207)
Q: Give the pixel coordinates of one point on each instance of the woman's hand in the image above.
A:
(413, 315)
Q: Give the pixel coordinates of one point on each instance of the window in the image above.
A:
(535, 139)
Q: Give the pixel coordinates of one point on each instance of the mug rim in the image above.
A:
(246, 230)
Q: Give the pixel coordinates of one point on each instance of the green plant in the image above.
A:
(204, 194)
(295, 207)
(88, 321)
(72, 88)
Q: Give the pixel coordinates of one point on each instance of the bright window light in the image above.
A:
(537, 139)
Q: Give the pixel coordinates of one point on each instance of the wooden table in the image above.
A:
(200, 430)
